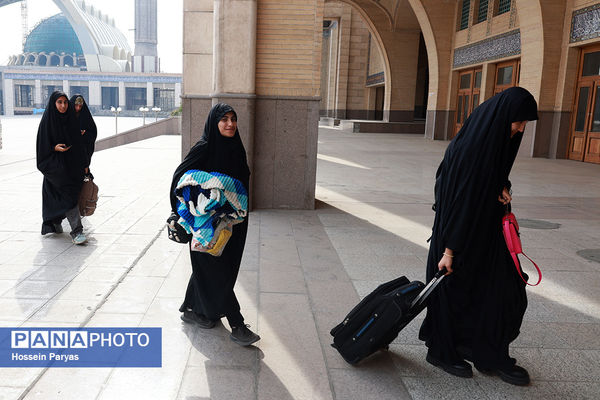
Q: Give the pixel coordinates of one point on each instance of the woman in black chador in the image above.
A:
(210, 295)
(61, 157)
(477, 310)
(87, 126)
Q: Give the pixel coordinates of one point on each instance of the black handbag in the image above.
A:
(175, 231)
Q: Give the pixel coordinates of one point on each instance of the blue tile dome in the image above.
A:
(54, 34)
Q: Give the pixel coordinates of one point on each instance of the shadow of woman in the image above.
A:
(220, 369)
(55, 265)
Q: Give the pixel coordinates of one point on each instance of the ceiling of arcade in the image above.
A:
(388, 15)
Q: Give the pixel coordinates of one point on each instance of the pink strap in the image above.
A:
(516, 259)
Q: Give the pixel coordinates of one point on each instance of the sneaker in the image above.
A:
(193, 318)
(243, 336)
(79, 239)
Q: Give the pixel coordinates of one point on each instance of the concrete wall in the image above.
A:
(168, 126)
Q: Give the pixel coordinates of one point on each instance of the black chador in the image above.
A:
(210, 289)
(63, 171)
(477, 311)
(86, 124)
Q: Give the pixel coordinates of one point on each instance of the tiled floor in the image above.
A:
(301, 272)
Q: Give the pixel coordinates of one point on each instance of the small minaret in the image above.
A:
(145, 58)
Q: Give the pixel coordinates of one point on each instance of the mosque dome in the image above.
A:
(53, 34)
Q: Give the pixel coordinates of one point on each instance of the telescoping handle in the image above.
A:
(421, 297)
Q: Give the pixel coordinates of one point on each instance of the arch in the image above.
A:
(68, 60)
(54, 60)
(30, 59)
(21, 59)
(371, 25)
(430, 46)
(42, 59)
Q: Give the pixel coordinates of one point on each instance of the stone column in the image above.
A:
(66, 87)
(37, 95)
(149, 94)
(122, 96)
(177, 94)
(197, 69)
(288, 63)
(271, 79)
(9, 97)
(234, 64)
(95, 100)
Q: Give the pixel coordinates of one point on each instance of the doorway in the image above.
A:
(584, 142)
(469, 85)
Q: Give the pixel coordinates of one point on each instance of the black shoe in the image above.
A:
(200, 320)
(459, 368)
(58, 228)
(514, 375)
(243, 336)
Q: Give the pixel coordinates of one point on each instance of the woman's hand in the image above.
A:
(446, 261)
(505, 197)
(61, 147)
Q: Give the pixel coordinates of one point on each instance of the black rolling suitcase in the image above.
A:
(376, 321)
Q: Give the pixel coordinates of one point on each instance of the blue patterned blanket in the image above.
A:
(207, 197)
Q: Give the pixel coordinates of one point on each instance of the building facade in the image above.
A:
(80, 50)
(283, 64)
(25, 89)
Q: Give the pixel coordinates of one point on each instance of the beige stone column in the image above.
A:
(263, 58)
(234, 64)
(288, 63)
(197, 83)
(542, 39)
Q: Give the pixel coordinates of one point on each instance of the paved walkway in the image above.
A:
(301, 272)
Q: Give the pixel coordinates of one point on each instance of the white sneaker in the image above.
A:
(80, 239)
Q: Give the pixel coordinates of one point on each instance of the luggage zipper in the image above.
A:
(364, 328)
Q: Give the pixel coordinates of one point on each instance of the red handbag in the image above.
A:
(510, 229)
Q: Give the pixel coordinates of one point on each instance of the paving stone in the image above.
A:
(301, 272)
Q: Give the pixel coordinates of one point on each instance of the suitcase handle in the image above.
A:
(421, 297)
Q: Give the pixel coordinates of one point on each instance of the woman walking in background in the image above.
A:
(62, 159)
(87, 126)
(210, 295)
(476, 311)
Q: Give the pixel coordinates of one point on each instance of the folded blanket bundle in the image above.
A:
(205, 198)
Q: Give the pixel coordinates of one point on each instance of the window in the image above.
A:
(84, 91)
(477, 83)
(23, 96)
(135, 98)
(464, 15)
(482, 11)
(503, 6)
(164, 98)
(110, 97)
(591, 64)
(47, 91)
(465, 81)
(505, 75)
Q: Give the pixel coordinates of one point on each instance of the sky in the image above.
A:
(170, 20)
